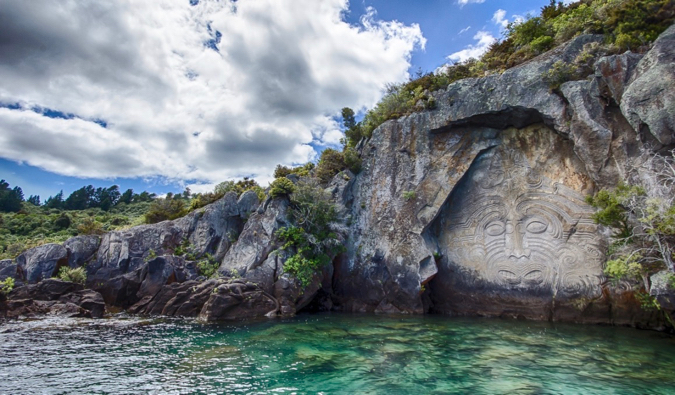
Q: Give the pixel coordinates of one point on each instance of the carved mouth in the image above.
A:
(534, 277)
(509, 277)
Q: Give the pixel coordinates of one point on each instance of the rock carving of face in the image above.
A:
(516, 231)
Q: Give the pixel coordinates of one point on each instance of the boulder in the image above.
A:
(238, 299)
(8, 268)
(87, 299)
(649, 100)
(248, 203)
(81, 249)
(41, 262)
(177, 299)
(249, 256)
(29, 308)
(51, 289)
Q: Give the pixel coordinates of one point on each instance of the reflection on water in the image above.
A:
(332, 353)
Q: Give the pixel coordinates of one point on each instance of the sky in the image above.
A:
(167, 94)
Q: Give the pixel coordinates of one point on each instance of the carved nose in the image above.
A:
(514, 243)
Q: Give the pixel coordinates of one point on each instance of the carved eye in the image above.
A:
(536, 227)
(495, 229)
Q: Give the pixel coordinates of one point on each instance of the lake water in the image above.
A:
(332, 353)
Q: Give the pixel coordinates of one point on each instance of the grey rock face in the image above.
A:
(614, 73)
(87, 299)
(41, 262)
(649, 100)
(249, 257)
(662, 291)
(215, 227)
(248, 202)
(50, 289)
(7, 269)
(576, 141)
(81, 249)
(515, 237)
(237, 300)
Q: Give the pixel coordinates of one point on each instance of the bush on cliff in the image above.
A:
(73, 275)
(626, 24)
(643, 217)
(164, 209)
(6, 286)
(317, 234)
(301, 171)
(281, 187)
(200, 200)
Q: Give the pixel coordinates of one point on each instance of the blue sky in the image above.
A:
(174, 93)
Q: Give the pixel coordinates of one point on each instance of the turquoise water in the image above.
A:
(333, 353)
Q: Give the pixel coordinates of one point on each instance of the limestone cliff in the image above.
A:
(475, 207)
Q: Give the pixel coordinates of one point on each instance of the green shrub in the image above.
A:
(317, 234)
(208, 266)
(301, 171)
(76, 275)
(281, 187)
(7, 285)
(165, 209)
(89, 226)
(559, 73)
(542, 44)
(62, 222)
(409, 195)
(352, 160)
(331, 163)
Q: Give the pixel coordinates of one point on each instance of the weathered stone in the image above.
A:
(248, 202)
(516, 235)
(28, 308)
(649, 100)
(256, 242)
(181, 299)
(50, 289)
(592, 137)
(612, 74)
(81, 249)
(8, 268)
(41, 262)
(213, 229)
(663, 291)
(238, 300)
(87, 299)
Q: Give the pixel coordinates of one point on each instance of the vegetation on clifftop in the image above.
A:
(625, 24)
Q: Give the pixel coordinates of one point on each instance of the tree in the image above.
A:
(643, 215)
(55, 201)
(331, 163)
(10, 199)
(353, 130)
(126, 197)
(34, 200)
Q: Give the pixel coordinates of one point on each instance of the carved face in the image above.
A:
(515, 230)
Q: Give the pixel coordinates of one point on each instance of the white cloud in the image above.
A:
(499, 18)
(484, 38)
(209, 92)
(466, 29)
(462, 3)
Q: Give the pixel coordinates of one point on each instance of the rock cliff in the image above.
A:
(474, 207)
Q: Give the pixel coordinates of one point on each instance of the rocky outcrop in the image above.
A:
(474, 207)
(53, 297)
(41, 262)
(649, 100)
(477, 207)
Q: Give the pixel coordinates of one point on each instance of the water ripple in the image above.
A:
(331, 353)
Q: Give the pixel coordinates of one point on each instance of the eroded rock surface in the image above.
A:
(475, 207)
